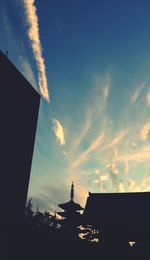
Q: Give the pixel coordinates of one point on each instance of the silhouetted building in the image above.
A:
(71, 209)
(19, 114)
(119, 217)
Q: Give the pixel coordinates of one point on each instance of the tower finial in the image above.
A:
(72, 191)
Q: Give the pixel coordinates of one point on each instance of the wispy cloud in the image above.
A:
(102, 86)
(144, 185)
(148, 98)
(113, 168)
(132, 185)
(59, 131)
(84, 131)
(85, 155)
(16, 44)
(137, 156)
(144, 132)
(27, 71)
(118, 138)
(136, 93)
(120, 187)
(103, 177)
(98, 97)
(101, 182)
(106, 90)
(34, 36)
(126, 164)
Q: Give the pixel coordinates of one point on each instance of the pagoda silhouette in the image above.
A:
(71, 213)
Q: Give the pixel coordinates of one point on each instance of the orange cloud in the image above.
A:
(144, 132)
(120, 187)
(114, 168)
(146, 148)
(144, 185)
(137, 156)
(148, 99)
(103, 177)
(118, 138)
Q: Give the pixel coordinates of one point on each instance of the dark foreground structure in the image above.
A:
(119, 218)
(115, 219)
(19, 114)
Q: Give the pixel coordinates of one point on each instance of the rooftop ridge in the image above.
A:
(117, 193)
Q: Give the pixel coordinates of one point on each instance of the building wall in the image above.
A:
(19, 107)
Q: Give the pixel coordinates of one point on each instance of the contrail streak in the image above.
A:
(34, 37)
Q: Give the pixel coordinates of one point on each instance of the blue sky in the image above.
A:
(89, 60)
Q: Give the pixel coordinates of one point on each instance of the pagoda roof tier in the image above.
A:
(62, 214)
(67, 214)
(70, 206)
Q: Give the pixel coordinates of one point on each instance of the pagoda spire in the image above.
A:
(72, 191)
(71, 209)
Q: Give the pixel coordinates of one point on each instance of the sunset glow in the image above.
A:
(90, 59)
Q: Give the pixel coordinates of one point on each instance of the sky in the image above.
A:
(89, 60)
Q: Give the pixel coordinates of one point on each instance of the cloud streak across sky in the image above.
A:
(85, 155)
(34, 37)
(136, 93)
(119, 154)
